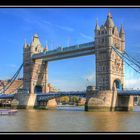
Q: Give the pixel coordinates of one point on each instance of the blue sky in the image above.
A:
(64, 26)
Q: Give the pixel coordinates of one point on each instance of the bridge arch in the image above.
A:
(117, 84)
(49, 99)
(38, 89)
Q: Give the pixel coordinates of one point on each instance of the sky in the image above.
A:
(64, 26)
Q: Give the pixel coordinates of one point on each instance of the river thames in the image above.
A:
(69, 120)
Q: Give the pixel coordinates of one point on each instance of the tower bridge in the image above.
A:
(108, 47)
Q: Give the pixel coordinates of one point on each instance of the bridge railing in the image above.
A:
(129, 89)
(70, 48)
(48, 96)
(64, 49)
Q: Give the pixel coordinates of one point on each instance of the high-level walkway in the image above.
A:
(66, 52)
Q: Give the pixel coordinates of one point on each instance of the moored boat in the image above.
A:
(8, 111)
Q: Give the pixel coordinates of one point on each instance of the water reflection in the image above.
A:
(71, 121)
(34, 120)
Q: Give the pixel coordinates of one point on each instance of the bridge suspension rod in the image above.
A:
(128, 59)
(11, 80)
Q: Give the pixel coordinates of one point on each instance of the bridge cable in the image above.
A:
(11, 80)
(122, 56)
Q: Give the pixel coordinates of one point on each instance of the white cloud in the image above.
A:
(132, 83)
(90, 77)
(44, 23)
(66, 28)
(12, 65)
(66, 85)
(86, 36)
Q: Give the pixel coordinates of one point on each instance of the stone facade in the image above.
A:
(26, 101)
(35, 71)
(109, 70)
(109, 66)
(108, 100)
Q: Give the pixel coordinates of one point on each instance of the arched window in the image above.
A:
(103, 40)
(38, 89)
(36, 49)
(118, 84)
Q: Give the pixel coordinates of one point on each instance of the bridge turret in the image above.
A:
(36, 45)
(46, 47)
(109, 21)
(25, 44)
(122, 31)
(122, 36)
(97, 27)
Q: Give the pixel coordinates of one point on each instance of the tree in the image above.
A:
(64, 99)
(75, 99)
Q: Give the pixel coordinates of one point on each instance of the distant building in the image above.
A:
(13, 87)
(52, 88)
(19, 84)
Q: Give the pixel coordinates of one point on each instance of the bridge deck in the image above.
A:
(51, 95)
(129, 92)
(42, 97)
(67, 52)
(6, 96)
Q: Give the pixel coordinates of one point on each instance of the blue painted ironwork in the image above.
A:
(7, 86)
(129, 92)
(129, 60)
(48, 96)
(6, 96)
(73, 54)
(61, 53)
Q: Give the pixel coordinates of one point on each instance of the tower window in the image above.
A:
(103, 40)
(35, 49)
(102, 32)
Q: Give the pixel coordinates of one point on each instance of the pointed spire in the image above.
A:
(46, 48)
(32, 42)
(25, 44)
(109, 15)
(109, 22)
(122, 29)
(35, 40)
(36, 35)
(97, 27)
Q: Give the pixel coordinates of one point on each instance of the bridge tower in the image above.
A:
(109, 69)
(109, 66)
(35, 71)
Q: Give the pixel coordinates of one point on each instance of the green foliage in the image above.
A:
(64, 99)
(75, 99)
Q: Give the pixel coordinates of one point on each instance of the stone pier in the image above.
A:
(26, 101)
(107, 100)
(52, 104)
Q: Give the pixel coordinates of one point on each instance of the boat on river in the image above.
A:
(8, 111)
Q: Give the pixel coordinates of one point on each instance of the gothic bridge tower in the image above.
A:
(35, 71)
(109, 66)
(109, 70)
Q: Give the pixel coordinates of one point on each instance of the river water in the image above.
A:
(70, 120)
